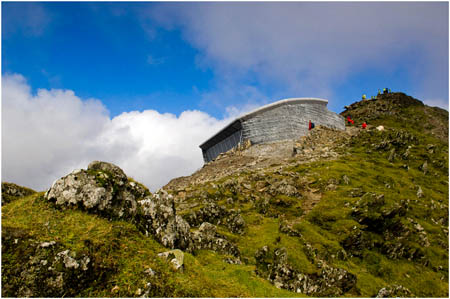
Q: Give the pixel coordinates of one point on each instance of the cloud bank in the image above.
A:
(311, 48)
(48, 134)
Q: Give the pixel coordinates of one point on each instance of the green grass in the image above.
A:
(127, 254)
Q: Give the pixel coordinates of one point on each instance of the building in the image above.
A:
(283, 120)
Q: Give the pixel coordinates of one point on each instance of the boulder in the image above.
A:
(104, 189)
(176, 258)
(211, 212)
(235, 222)
(419, 192)
(44, 269)
(158, 217)
(101, 189)
(207, 238)
(12, 191)
(394, 291)
(329, 282)
(118, 175)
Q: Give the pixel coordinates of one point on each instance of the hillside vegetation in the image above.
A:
(360, 213)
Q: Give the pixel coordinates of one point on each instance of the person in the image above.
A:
(349, 120)
(311, 125)
(364, 125)
(379, 92)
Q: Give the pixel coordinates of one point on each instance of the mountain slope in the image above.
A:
(354, 213)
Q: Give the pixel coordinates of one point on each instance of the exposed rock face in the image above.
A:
(102, 189)
(235, 222)
(217, 214)
(12, 191)
(394, 291)
(158, 217)
(329, 282)
(176, 257)
(211, 212)
(49, 269)
(207, 238)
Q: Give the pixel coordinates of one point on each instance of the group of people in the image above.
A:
(385, 91)
(351, 121)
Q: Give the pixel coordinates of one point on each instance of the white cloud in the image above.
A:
(47, 135)
(308, 48)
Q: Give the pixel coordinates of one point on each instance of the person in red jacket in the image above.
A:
(364, 125)
(311, 125)
(349, 120)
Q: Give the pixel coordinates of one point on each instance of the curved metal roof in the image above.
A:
(226, 129)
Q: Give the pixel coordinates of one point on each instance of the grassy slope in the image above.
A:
(127, 253)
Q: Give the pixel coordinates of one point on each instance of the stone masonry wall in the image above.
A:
(289, 121)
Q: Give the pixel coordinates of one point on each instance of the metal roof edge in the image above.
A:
(265, 108)
(279, 103)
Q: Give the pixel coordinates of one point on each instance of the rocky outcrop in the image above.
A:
(210, 212)
(47, 268)
(157, 216)
(384, 104)
(394, 291)
(235, 222)
(12, 191)
(175, 257)
(102, 189)
(207, 238)
(217, 214)
(327, 282)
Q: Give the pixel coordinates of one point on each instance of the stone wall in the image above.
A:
(289, 121)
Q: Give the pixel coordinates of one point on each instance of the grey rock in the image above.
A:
(46, 270)
(391, 155)
(394, 291)
(118, 175)
(207, 238)
(235, 222)
(159, 218)
(419, 192)
(104, 189)
(150, 272)
(12, 191)
(97, 191)
(47, 244)
(331, 187)
(176, 258)
(424, 167)
(345, 179)
(69, 262)
(329, 282)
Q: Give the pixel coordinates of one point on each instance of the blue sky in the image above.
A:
(88, 48)
(185, 67)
